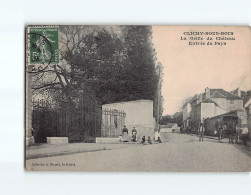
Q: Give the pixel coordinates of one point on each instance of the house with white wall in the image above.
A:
(186, 109)
(170, 128)
(212, 102)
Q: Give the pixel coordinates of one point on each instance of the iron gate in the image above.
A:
(80, 122)
(112, 122)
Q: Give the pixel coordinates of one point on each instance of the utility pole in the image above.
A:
(158, 95)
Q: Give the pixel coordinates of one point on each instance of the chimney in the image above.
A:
(207, 91)
(238, 92)
(200, 97)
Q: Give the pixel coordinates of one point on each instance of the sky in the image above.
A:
(188, 70)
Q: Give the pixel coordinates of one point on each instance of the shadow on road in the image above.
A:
(246, 149)
(243, 148)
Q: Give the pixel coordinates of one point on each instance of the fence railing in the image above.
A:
(78, 122)
(112, 122)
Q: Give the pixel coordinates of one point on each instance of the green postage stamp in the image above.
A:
(42, 45)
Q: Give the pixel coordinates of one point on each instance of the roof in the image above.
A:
(207, 101)
(216, 94)
(185, 104)
(170, 125)
(247, 103)
(246, 96)
(188, 101)
(223, 93)
(230, 113)
(194, 98)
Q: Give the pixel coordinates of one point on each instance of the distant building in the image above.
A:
(169, 128)
(247, 106)
(186, 109)
(246, 96)
(211, 123)
(212, 102)
(194, 115)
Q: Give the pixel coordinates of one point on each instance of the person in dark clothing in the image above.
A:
(159, 140)
(125, 137)
(125, 130)
(134, 134)
(201, 132)
(220, 132)
(244, 134)
(149, 140)
(143, 140)
(232, 131)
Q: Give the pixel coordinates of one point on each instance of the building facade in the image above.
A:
(211, 103)
(246, 96)
(186, 109)
(248, 109)
(170, 128)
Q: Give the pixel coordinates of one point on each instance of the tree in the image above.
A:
(176, 118)
(159, 99)
(112, 63)
(57, 79)
(142, 74)
(97, 63)
(88, 54)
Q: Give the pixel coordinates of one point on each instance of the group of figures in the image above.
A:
(233, 132)
(229, 129)
(125, 137)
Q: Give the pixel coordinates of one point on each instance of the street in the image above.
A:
(181, 153)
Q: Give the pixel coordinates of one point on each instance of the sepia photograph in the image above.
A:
(137, 98)
(125, 97)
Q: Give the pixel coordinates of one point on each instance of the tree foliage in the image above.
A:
(176, 118)
(113, 64)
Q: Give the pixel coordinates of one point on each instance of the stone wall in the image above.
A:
(139, 114)
(28, 109)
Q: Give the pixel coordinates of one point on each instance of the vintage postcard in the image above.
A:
(138, 98)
